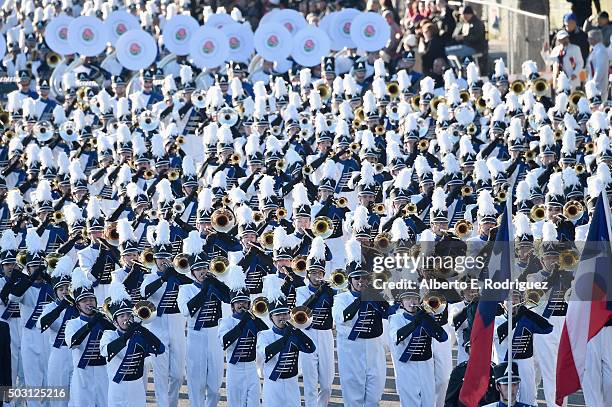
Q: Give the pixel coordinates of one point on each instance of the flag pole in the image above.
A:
(511, 292)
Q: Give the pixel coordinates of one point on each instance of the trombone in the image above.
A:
(339, 279)
(218, 266)
(298, 265)
(222, 220)
(323, 226)
(146, 258)
(537, 213)
(267, 240)
(260, 307)
(573, 210)
(301, 317)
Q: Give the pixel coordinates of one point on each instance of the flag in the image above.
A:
(588, 310)
(476, 379)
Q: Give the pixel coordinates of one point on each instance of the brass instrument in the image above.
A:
(589, 147)
(379, 130)
(360, 114)
(280, 164)
(568, 259)
(222, 220)
(481, 104)
(53, 59)
(180, 140)
(410, 209)
(227, 116)
(21, 258)
(181, 263)
(146, 258)
(573, 210)
(281, 213)
(198, 98)
(28, 210)
(537, 213)
(393, 89)
(533, 297)
(435, 102)
(260, 306)
(354, 147)
(464, 95)
(423, 144)
(339, 279)
(51, 260)
(234, 159)
(518, 86)
(5, 118)
(173, 175)
(433, 303)
(147, 121)
(383, 276)
(341, 202)
(415, 101)
(178, 208)
(466, 190)
(322, 226)
(307, 169)
(298, 265)
(530, 155)
(144, 310)
(41, 128)
(152, 213)
(92, 143)
(558, 135)
(379, 208)
(579, 168)
(301, 317)
(57, 217)
(111, 235)
(462, 228)
(257, 216)
(356, 123)
(276, 130)
(501, 196)
(267, 240)
(379, 168)
(540, 86)
(148, 174)
(382, 242)
(575, 97)
(226, 200)
(471, 129)
(218, 266)
(324, 92)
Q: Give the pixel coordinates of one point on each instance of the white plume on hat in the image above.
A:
(496, 166)
(522, 192)
(569, 141)
(79, 279)
(205, 199)
(43, 191)
(164, 191)
(555, 184)
(236, 87)
(594, 186)
(427, 85)
(500, 68)
(282, 240)
(350, 85)
(188, 166)
(63, 268)
(124, 176)
(272, 289)
(563, 82)
(210, 134)
(237, 195)
(300, 195)
(93, 208)
(330, 171)
(421, 166)
(125, 231)
(236, 278)
(465, 145)
(33, 154)
(63, 163)
(603, 172)
(122, 108)
(529, 67)
(59, 115)
(8, 240)
(353, 250)
(14, 199)
(472, 73)
(522, 226)
(244, 215)
(450, 164)
(34, 243)
(360, 219)
(157, 146)
(273, 144)
(590, 88)
(162, 233)
(549, 232)
(570, 177)
(266, 187)
(399, 230)
(186, 74)
(379, 87)
(403, 179)
(132, 190)
(369, 102)
(117, 292)
(338, 86)
(438, 199)
(252, 145)
(485, 203)
(317, 249)
(464, 115)
(403, 80)
(46, 158)
(72, 213)
(193, 244)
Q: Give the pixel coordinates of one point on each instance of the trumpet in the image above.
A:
(323, 226)
(341, 202)
(568, 259)
(281, 213)
(360, 114)
(558, 135)
(257, 216)
(356, 123)
(222, 220)
(466, 190)
(501, 196)
(530, 155)
(433, 303)
(589, 147)
(301, 317)
(537, 213)
(324, 92)
(152, 213)
(382, 242)
(575, 97)
(148, 174)
(260, 307)
(144, 310)
(379, 168)
(379, 208)
(298, 265)
(173, 175)
(379, 130)
(280, 164)
(178, 208)
(339, 279)
(234, 159)
(463, 228)
(580, 168)
(471, 129)
(180, 140)
(533, 297)
(53, 59)
(307, 169)
(181, 263)
(573, 210)
(518, 86)
(540, 86)
(410, 209)
(218, 266)
(58, 217)
(28, 209)
(464, 95)
(393, 89)
(267, 240)
(423, 144)
(226, 200)
(146, 258)
(276, 130)
(354, 147)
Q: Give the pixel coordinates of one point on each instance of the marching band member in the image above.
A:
(126, 348)
(161, 287)
(509, 393)
(358, 314)
(318, 367)
(238, 335)
(279, 348)
(89, 384)
(201, 302)
(53, 319)
(411, 333)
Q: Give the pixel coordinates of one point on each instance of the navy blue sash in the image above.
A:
(69, 313)
(91, 356)
(45, 296)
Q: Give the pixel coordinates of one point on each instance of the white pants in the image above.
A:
(443, 366)
(336, 246)
(16, 364)
(281, 393)
(242, 384)
(527, 387)
(414, 384)
(597, 379)
(127, 394)
(204, 367)
(169, 367)
(362, 370)
(35, 357)
(59, 371)
(545, 349)
(89, 387)
(318, 368)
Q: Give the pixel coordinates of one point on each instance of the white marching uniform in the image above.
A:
(317, 367)
(89, 385)
(34, 349)
(9, 313)
(127, 393)
(169, 367)
(597, 379)
(361, 362)
(205, 361)
(87, 258)
(241, 380)
(443, 363)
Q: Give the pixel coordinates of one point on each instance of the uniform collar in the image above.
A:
(277, 330)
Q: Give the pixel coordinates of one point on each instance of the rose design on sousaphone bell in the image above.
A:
(272, 41)
(208, 47)
(120, 28)
(135, 49)
(180, 34)
(346, 28)
(63, 33)
(369, 31)
(309, 45)
(88, 35)
(289, 26)
(234, 43)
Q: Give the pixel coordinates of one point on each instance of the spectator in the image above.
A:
(471, 32)
(431, 48)
(437, 74)
(565, 57)
(603, 23)
(445, 21)
(582, 9)
(373, 6)
(598, 63)
(396, 35)
(576, 35)
(388, 5)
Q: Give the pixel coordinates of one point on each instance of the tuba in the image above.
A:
(227, 116)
